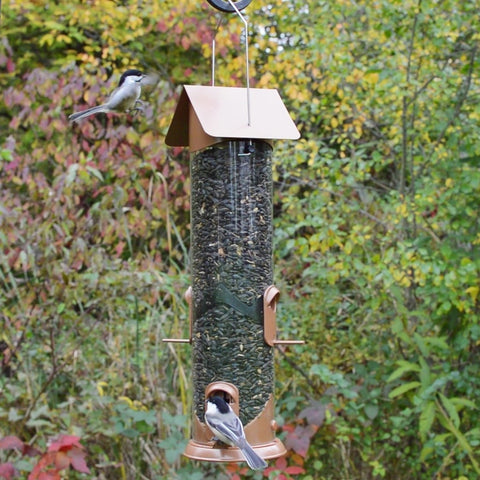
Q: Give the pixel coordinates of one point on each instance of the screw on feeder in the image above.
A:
(230, 6)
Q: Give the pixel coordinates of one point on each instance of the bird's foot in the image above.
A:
(138, 107)
(219, 444)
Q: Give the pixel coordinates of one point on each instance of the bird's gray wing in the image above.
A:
(125, 97)
(120, 96)
(232, 429)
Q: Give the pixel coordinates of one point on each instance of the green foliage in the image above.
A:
(380, 250)
(376, 234)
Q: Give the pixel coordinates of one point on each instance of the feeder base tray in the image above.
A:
(209, 453)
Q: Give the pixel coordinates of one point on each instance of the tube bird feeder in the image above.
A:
(232, 297)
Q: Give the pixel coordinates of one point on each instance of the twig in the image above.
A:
(405, 105)
(296, 367)
(42, 390)
(461, 97)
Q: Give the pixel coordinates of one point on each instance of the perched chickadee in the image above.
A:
(124, 98)
(228, 428)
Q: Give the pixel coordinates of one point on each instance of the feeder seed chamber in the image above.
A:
(232, 299)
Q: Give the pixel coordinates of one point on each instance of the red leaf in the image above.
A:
(65, 442)
(281, 463)
(10, 65)
(34, 473)
(314, 413)
(10, 442)
(294, 470)
(62, 460)
(288, 427)
(30, 451)
(232, 467)
(119, 248)
(299, 440)
(297, 459)
(268, 471)
(177, 151)
(78, 460)
(7, 471)
(45, 460)
(162, 26)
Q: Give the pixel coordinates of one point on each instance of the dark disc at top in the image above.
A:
(225, 6)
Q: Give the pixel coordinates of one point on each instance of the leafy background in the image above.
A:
(376, 236)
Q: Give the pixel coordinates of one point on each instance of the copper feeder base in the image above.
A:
(210, 453)
(260, 432)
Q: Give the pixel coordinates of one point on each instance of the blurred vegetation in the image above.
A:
(376, 235)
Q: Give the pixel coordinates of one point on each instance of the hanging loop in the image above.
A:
(224, 6)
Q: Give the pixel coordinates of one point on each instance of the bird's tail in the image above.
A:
(74, 117)
(255, 462)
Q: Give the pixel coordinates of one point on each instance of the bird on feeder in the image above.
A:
(228, 428)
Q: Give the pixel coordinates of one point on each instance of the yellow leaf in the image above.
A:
(371, 78)
(473, 292)
(146, 139)
(265, 80)
(348, 248)
(128, 401)
(47, 39)
(100, 386)
(402, 209)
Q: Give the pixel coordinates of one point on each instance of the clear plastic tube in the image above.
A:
(231, 266)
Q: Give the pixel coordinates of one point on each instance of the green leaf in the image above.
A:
(475, 432)
(439, 342)
(425, 377)
(404, 367)
(95, 172)
(451, 410)
(396, 392)
(6, 155)
(371, 411)
(173, 447)
(129, 432)
(442, 438)
(421, 344)
(71, 174)
(426, 419)
(425, 452)
(463, 402)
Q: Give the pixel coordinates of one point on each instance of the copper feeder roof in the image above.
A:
(206, 115)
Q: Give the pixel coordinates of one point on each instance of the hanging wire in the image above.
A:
(219, 23)
(247, 62)
(247, 70)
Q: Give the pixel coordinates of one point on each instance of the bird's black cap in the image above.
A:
(221, 404)
(128, 73)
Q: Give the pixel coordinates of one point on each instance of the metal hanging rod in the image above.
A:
(231, 6)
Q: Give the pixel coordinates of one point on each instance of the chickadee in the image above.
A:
(228, 428)
(124, 98)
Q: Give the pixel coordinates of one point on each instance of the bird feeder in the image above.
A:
(232, 299)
